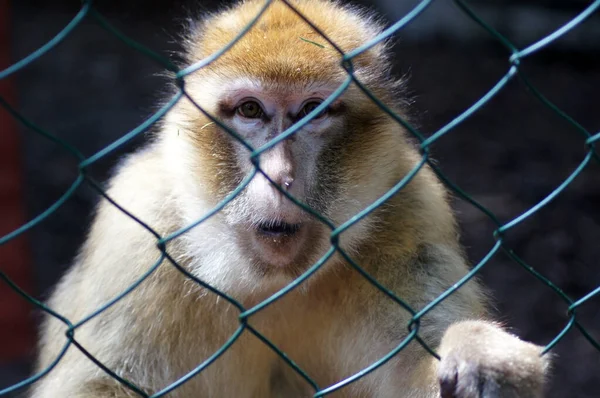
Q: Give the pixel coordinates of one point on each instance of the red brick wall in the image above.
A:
(16, 329)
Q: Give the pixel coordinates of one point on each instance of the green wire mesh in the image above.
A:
(514, 71)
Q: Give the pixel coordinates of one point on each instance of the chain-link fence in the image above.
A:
(514, 72)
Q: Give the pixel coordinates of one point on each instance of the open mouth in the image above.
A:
(278, 228)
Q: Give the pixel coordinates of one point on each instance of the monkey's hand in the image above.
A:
(480, 360)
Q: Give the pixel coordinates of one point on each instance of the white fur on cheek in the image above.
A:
(208, 244)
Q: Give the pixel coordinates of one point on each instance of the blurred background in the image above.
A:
(91, 89)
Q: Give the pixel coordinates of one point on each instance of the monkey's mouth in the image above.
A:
(279, 243)
(276, 229)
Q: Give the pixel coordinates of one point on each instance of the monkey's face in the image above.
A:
(275, 230)
(337, 164)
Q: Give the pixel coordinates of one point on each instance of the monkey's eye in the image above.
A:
(250, 110)
(309, 107)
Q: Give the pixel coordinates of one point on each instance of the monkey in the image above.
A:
(256, 240)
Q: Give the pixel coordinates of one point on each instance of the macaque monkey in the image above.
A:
(335, 323)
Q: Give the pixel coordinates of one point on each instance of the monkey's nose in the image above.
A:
(279, 165)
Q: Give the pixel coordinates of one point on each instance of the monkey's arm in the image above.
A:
(479, 359)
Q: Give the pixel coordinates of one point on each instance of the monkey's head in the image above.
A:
(342, 160)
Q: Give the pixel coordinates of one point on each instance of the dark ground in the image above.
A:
(92, 89)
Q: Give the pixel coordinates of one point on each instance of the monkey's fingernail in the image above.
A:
(448, 385)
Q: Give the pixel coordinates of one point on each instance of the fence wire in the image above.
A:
(514, 71)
